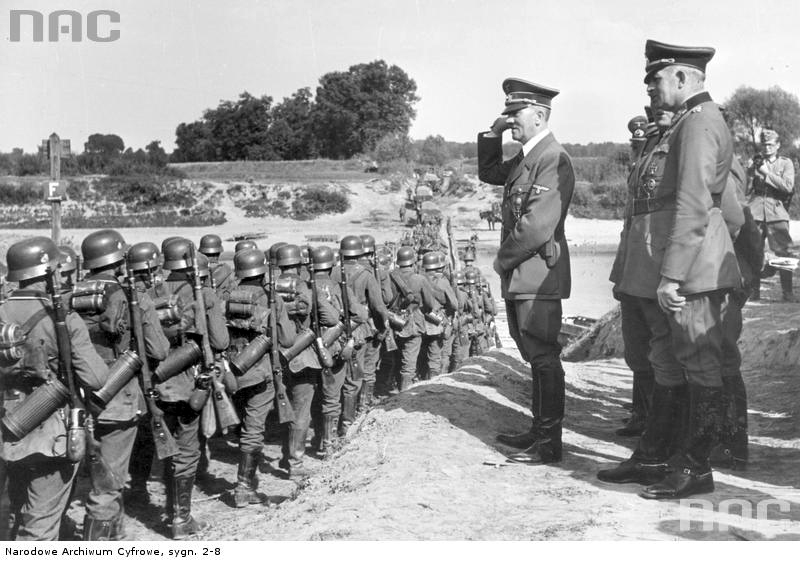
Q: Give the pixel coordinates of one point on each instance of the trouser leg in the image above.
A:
(409, 351)
(39, 495)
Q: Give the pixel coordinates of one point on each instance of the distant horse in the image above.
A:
(491, 216)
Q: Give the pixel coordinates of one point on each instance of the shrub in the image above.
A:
(22, 194)
(316, 200)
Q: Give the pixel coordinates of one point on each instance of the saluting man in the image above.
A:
(533, 260)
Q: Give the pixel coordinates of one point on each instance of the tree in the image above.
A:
(750, 110)
(107, 145)
(155, 154)
(355, 109)
(290, 132)
(239, 130)
(434, 151)
(393, 147)
(193, 143)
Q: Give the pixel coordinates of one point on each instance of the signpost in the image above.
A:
(55, 190)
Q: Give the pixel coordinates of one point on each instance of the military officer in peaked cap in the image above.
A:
(678, 264)
(533, 260)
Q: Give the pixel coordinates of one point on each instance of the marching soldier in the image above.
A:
(305, 368)
(248, 317)
(475, 312)
(413, 298)
(174, 391)
(110, 331)
(461, 341)
(533, 259)
(436, 321)
(39, 474)
(368, 294)
(684, 289)
(224, 280)
(770, 186)
(68, 264)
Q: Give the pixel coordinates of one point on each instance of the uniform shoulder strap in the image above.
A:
(34, 320)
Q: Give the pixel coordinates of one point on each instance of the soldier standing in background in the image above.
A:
(39, 474)
(533, 260)
(110, 331)
(446, 305)
(770, 187)
(224, 280)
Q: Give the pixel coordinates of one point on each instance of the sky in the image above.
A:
(176, 58)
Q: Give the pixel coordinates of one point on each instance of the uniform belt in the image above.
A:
(654, 204)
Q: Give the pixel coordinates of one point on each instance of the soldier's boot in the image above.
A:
(755, 290)
(546, 449)
(786, 287)
(405, 382)
(642, 397)
(183, 524)
(648, 463)
(689, 471)
(348, 414)
(526, 439)
(246, 491)
(294, 450)
(365, 396)
(329, 424)
(316, 427)
(202, 466)
(98, 530)
(732, 450)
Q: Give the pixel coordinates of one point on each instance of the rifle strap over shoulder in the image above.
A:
(34, 320)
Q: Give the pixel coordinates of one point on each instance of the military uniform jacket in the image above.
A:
(224, 279)
(367, 292)
(538, 190)
(675, 226)
(262, 370)
(179, 388)
(387, 294)
(111, 335)
(763, 202)
(19, 380)
(420, 300)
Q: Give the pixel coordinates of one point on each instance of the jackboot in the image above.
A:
(546, 449)
(526, 439)
(245, 493)
(690, 470)
(329, 423)
(642, 402)
(731, 452)
(786, 287)
(348, 413)
(405, 382)
(365, 396)
(294, 450)
(755, 290)
(98, 530)
(183, 523)
(648, 463)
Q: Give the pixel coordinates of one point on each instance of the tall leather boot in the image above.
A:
(648, 463)
(546, 449)
(294, 450)
(405, 382)
(245, 493)
(365, 396)
(786, 286)
(348, 413)
(97, 530)
(755, 290)
(731, 452)
(329, 423)
(690, 470)
(183, 523)
(526, 439)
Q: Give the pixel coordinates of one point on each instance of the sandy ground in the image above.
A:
(414, 468)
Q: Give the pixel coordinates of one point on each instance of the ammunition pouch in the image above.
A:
(398, 320)
(89, 298)
(200, 393)
(250, 355)
(435, 318)
(42, 402)
(185, 356)
(119, 374)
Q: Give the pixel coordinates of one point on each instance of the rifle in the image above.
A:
(228, 379)
(284, 407)
(453, 280)
(80, 428)
(78, 269)
(3, 296)
(209, 377)
(325, 358)
(348, 353)
(166, 447)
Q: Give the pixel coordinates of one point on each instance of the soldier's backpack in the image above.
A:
(106, 316)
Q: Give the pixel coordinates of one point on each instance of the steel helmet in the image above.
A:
(245, 244)
(406, 256)
(432, 260)
(322, 258)
(102, 248)
(460, 280)
(167, 240)
(288, 256)
(67, 259)
(30, 258)
(177, 254)
(210, 244)
(273, 251)
(351, 246)
(368, 242)
(250, 263)
(143, 256)
(471, 277)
